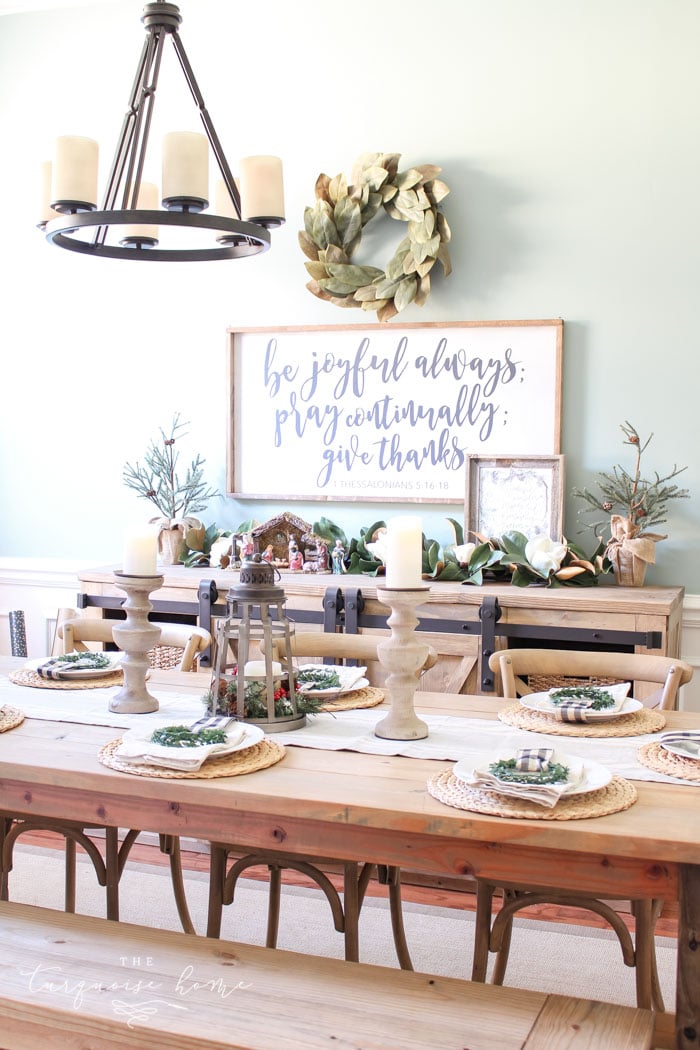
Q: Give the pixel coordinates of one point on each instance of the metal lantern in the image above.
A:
(262, 689)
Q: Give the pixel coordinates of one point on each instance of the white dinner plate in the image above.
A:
(593, 774)
(73, 672)
(543, 702)
(351, 678)
(688, 746)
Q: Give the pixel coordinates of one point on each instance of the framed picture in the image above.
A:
(525, 493)
(388, 412)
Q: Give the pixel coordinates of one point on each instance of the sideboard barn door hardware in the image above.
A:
(333, 605)
(354, 604)
(207, 593)
(489, 614)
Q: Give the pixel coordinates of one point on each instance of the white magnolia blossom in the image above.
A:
(464, 552)
(378, 548)
(544, 554)
(218, 549)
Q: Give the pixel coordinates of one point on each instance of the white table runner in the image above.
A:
(473, 739)
(91, 706)
(451, 738)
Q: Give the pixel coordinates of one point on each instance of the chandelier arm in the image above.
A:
(125, 144)
(142, 126)
(207, 122)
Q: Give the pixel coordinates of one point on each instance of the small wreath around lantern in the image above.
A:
(333, 231)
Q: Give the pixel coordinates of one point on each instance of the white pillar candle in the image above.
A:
(74, 175)
(256, 669)
(262, 189)
(140, 552)
(404, 553)
(147, 201)
(185, 165)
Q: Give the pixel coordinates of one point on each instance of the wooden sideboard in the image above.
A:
(464, 623)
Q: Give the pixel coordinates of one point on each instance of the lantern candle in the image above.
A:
(404, 553)
(257, 669)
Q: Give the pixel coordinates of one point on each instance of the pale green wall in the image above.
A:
(566, 129)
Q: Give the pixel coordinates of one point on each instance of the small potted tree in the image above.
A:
(177, 499)
(634, 505)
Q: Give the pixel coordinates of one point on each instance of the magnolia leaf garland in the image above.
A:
(333, 231)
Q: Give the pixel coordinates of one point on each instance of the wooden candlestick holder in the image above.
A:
(135, 636)
(403, 655)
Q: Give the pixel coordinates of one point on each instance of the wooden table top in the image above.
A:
(346, 797)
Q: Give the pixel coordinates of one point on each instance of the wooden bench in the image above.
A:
(82, 983)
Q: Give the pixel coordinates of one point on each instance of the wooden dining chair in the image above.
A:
(179, 647)
(356, 875)
(523, 671)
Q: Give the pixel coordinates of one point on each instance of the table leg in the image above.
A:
(688, 968)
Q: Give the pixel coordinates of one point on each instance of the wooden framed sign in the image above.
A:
(507, 492)
(387, 413)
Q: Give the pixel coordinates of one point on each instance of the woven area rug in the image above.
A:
(550, 957)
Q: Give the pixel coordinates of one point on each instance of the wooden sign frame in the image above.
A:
(386, 413)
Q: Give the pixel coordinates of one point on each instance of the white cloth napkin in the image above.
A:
(575, 708)
(543, 794)
(136, 749)
(349, 677)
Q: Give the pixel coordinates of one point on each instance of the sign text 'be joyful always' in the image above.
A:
(365, 413)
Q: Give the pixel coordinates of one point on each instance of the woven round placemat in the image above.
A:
(31, 678)
(250, 760)
(647, 720)
(656, 757)
(365, 697)
(10, 717)
(619, 794)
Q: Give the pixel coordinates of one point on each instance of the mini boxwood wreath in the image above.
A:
(333, 231)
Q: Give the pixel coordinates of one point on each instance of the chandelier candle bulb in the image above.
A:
(74, 175)
(46, 212)
(223, 205)
(185, 167)
(140, 552)
(262, 188)
(147, 201)
(404, 553)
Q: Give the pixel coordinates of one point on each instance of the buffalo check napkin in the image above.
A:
(530, 760)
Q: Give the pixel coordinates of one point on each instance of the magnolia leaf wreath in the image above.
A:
(333, 231)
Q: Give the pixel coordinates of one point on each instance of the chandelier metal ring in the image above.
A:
(244, 238)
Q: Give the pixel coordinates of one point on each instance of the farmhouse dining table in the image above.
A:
(376, 807)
